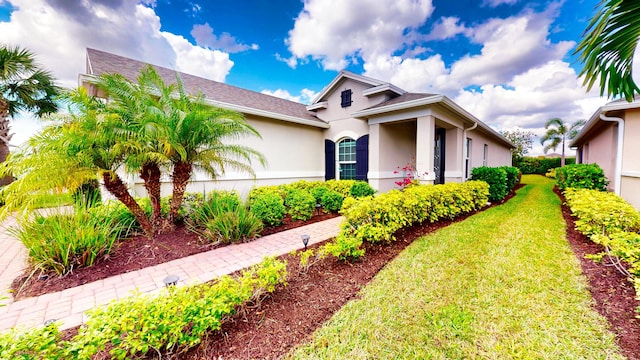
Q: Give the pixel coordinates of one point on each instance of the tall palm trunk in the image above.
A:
(5, 137)
(150, 174)
(116, 187)
(181, 175)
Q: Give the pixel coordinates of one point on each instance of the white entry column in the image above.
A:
(425, 135)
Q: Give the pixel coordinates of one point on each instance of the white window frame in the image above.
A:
(346, 162)
(485, 155)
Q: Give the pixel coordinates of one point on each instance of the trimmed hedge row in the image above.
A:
(300, 198)
(610, 221)
(581, 176)
(376, 219)
(534, 165)
(131, 327)
(501, 179)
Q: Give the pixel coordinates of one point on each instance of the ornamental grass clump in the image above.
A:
(63, 242)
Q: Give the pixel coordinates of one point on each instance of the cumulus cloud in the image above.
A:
(305, 97)
(58, 31)
(337, 32)
(495, 3)
(446, 28)
(205, 37)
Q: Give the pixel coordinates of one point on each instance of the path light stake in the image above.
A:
(305, 240)
(171, 280)
(318, 209)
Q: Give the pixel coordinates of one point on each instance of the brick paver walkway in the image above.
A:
(69, 305)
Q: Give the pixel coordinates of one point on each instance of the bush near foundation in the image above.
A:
(610, 221)
(581, 176)
(496, 178)
(376, 219)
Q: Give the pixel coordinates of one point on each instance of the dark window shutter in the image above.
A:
(345, 98)
(329, 160)
(362, 158)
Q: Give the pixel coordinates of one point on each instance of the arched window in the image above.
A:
(347, 159)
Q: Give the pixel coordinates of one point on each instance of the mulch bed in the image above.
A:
(134, 254)
(290, 315)
(614, 295)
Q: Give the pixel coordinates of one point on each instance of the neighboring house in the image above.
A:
(611, 139)
(356, 128)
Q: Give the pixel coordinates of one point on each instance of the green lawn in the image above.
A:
(503, 284)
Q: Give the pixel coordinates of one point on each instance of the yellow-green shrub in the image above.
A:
(131, 327)
(376, 219)
(610, 221)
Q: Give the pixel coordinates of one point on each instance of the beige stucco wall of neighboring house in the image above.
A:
(630, 174)
(601, 150)
(293, 152)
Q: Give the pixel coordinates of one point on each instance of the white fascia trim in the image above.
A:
(320, 105)
(382, 88)
(595, 118)
(400, 106)
(340, 76)
(242, 109)
(634, 174)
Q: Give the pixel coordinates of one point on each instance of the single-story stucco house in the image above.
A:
(610, 139)
(356, 128)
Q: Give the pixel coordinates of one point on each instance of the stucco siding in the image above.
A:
(630, 189)
(497, 154)
(335, 111)
(601, 150)
(631, 144)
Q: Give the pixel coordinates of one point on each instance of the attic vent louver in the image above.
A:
(346, 98)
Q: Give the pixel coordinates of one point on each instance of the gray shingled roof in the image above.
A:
(101, 62)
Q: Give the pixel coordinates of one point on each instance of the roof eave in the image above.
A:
(87, 78)
(595, 118)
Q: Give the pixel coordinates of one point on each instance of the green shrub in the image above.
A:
(376, 219)
(301, 185)
(268, 207)
(513, 176)
(331, 201)
(232, 226)
(34, 343)
(268, 189)
(133, 326)
(361, 189)
(300, 204)
(581, 176)
(535, 165)
(319, 192)
(343, 187)
(63, 242)
(496, 178)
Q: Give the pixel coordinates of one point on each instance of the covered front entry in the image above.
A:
(432, 147)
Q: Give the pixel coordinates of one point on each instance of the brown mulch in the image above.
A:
(291, 314)
(134, 254)
(614, 295)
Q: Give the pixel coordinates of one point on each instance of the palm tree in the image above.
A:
(607, 48)
(24, 86)
(557, 134)
(197, 136)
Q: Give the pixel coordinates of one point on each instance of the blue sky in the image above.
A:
(508, 62)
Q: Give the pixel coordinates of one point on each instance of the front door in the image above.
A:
(438, 156)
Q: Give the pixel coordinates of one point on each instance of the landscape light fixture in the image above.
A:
(171, 280)
(305, 240)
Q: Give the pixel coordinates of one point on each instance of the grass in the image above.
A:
(502, 284)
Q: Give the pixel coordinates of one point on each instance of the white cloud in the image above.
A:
(446, 28)
(305, 97)
(205, 37)
(495, 3)
(336, 31)
(59, 31)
